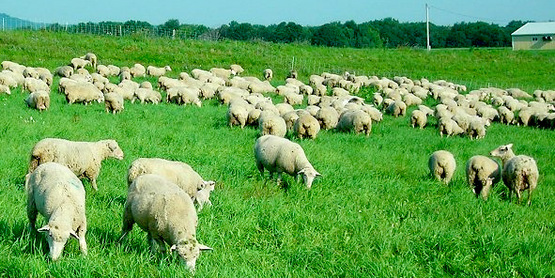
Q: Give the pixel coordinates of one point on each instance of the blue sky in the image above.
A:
(214, 13)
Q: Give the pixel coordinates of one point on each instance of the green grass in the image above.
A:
(374, 212)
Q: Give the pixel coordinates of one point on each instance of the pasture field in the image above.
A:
(375, 212)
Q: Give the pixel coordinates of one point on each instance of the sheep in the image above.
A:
(418, 118)
(203, 196)
(320, 90)
(397, 108)
(113, 102)
(284, 108)
(83, 158)
(5, 89)
(506, 115)
(293, 98)
(236, 69)
(83, 92)
(238, 113)
(293, 74)
(9, 79)
(103, 70)
(114, 70)
(31, 72)
(356, 120)
(290, 119)
(277, 154)
(270, 123)
(166, 213)
(124, 75)
(91, 57)
(221, 73)
(442, 165)
(156, 71)
(33, 85)
(268, 74)
(520, 172)
(373, 112)
(39, 100)
(13, 66)
(146, 95)
(180, 173)
(208, 90)
(312, 110)
(58, 195)
(313, 100)
(78, 63)
(184, 95)
(137, 70)
(482, 173)
(306, 126)
(449, 127)
(476, 128)
(327, 117)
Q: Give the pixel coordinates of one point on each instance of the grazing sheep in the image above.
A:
(442, 166)
(520, 172)
(39, 100)
(238, 113)
(137, 70)
(270, 123)
(306, 126)
(293, 74)
(482, 173)
(327, 117)
(177, 172)
(114, 70)
(290, 119)
(156, 71)
(83, 92)
(78, 63)
(397, 108)
(83, 158)
(356, 120)
(449, 127)
(32, 85)
(113, 102)
(268, 74)
(506, 115)
(5, 89)
(91, 57)
(221, 73)
(476, 128)
(103, 70)
(58, 195)
(418, 118)
(277, 154)
(203, 196)
(236, 69)
(146, 95)
(166, 213)
(10, 79)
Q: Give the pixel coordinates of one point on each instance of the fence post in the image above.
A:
(173, 34)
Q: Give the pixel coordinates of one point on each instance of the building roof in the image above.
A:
(535, 28)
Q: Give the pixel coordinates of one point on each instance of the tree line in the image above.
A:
(387, 32)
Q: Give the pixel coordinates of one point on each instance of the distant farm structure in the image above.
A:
(534, 36)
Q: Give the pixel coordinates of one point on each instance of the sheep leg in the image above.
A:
(82, 242)
(261, 168)
(32, 213)
(127, 223)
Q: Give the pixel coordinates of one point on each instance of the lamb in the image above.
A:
(482, 173)
(137, 70)
(156, 71)
(397, 108)
(270, 123)
(180, 173)
(78, 63)
(418, 118)
(58, 195)
(39, 100)
(203, 196)
(166, 213)
(268, 74)
(91, 57)
(83, 92)
(327, 117)
(306, 126)
(83, 158)
(442, 165)
(279, 155)
(356, 120)
(113, 102)
(520, 172)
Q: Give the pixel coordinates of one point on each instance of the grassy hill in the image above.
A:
(375, 212)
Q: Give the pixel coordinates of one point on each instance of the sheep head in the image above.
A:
(57, 237)
(188, 251)
(308, 175)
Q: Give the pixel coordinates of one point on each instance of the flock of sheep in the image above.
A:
(162, 193)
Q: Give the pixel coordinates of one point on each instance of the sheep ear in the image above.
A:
(318, 174)
(509, 146)
(173, 248)
(73, 234)
(44, 229)
(203, 247)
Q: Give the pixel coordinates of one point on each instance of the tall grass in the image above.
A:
(374, 212)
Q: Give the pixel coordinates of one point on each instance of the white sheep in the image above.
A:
(268, 74)
(180, 173)
(156, 71)
(32, 85)
(306, 126)
(58, 195)
(9, 79)
(78, 63)
(203, 196)
(113, 102)
(355, 120)
(442, 165)
(238, 113)
(290, 119)
(482, 173)
(83, 158)
(166, 213)
(418, 118)
(91, 57)
(39, 100)
(397, 108)
(449, 127)
(271, 123)
(277, 154)
(327, 117)
(114, 70)
(520, 172)
(293, 98)
(236, 69)
(5, 89)
(146, 95)
(506, 115)
(137, 70)
(221, 73)
(83, 92)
